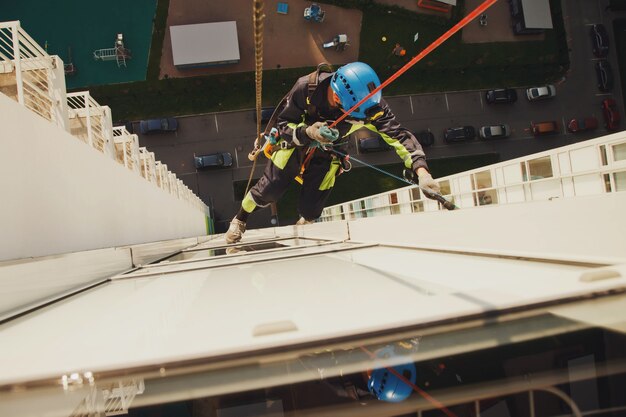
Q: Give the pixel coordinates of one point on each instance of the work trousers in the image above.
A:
(318, 180)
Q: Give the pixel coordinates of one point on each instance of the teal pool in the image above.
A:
(84, 26)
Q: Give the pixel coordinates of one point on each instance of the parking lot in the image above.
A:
(577, 96)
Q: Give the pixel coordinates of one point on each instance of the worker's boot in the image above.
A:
(302, 221)
(235, 231)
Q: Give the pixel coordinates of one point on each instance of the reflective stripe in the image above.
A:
(248, 203)
(329, 178)
(280, 157)
(402, 152)
(354, 128)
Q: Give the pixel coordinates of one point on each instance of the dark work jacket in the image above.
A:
(295, 117)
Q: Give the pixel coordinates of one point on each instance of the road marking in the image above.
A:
(447, 105)
(236, 158)
(480, 96)
(411, 101)
(603, 94)
(217, 128)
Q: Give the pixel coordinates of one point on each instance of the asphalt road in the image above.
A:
(577, 96)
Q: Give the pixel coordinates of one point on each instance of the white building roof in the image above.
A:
(205, 43)
(537, 14)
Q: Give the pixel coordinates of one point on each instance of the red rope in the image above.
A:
(479, 10)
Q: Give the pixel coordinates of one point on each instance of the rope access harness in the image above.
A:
(258, 17)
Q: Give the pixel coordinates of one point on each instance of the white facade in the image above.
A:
(75, 182)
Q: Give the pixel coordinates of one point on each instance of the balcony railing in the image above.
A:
(88, 121)
(26, 71)
(592, 167)
(27, 75)
(126, 148)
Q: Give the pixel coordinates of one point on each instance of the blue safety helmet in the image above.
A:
(385, 385)
(352, 83)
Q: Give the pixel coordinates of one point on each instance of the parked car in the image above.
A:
(501, 95)
(605, 75)
(599, 40)
(266, 114)
(494, 132)
(582, 124)
(459, 134)
(168, 124)
(214, 160)
(540, 93)
(369, 141)
(611, 115)
(544, 128)
(425, 138)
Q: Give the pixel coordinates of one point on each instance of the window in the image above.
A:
(416, 205)
(620, 181)
(483, 184)
(445, 187)
(540, 168)
(619, 152)
(393, 200)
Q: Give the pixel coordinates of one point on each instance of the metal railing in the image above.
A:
(591, 167)
(126, 148)
(88, 120)
(26, 70)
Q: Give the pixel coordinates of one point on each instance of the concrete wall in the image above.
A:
(59, 195)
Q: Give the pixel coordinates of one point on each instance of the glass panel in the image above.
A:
(524, 174)
(445, 187)
(438, 372)
(486, 197)
(540, 168)
(418, 206)
(482, 180)
(619, 152)
(502, 406)
(393, 200)
(620, 181)
(208, 253)
(415, 194)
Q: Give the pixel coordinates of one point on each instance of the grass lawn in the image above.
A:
(454, 66)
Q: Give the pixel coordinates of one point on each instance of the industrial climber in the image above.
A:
(310, 151)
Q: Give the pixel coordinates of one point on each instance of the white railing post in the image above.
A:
(18, 62)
